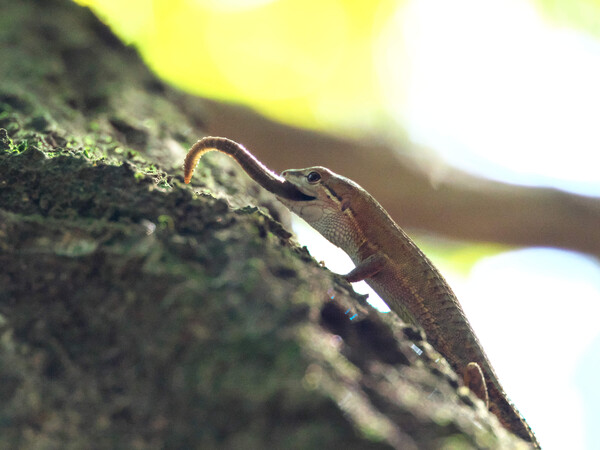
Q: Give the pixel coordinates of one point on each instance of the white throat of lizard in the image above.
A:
(326, 215)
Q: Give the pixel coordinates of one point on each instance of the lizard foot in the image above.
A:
(474, 380)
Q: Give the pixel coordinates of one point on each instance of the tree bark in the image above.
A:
(136, 313)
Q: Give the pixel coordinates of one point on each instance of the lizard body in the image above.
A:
(389, 261)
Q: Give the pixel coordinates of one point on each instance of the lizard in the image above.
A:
(387, 259)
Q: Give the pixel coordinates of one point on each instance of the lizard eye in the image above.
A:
(313, 177)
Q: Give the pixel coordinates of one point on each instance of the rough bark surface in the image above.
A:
(137, 313)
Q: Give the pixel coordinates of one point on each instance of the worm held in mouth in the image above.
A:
(253, 167)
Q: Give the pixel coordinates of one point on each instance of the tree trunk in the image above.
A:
(135, 313)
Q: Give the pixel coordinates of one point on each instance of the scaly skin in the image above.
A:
(387, 259)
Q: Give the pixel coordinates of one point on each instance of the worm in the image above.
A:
(253, 167)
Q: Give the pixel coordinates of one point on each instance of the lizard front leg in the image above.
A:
(367, 268)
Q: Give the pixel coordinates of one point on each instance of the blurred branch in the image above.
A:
(461, 207)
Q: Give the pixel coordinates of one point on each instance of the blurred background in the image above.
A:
(508, 90)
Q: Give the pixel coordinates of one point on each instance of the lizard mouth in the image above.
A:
(288, 190)
(296, 191)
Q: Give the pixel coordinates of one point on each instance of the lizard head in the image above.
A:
(329, 211)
